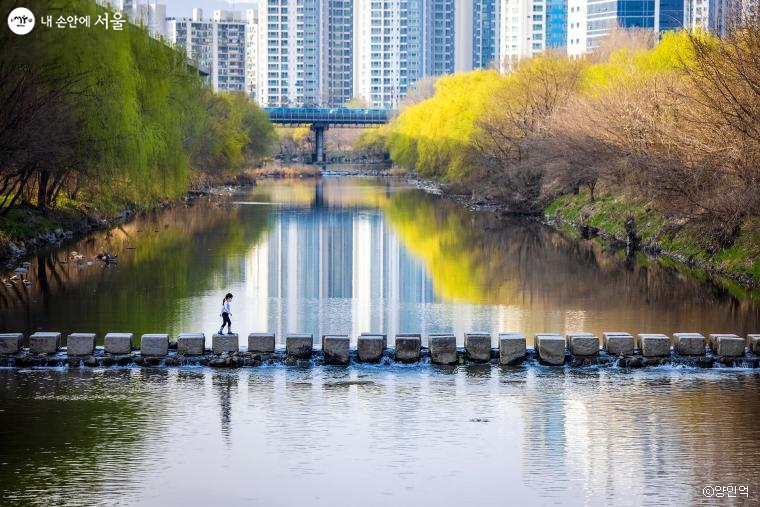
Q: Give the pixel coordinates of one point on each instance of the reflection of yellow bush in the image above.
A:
(448, 246)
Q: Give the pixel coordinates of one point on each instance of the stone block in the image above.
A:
(477, 347)
(299, 345)
(383, 336)
(617, 343)
(221, 343)
(689, 344)
(335, 348)
(44, 343)
(653, 345)
(754, 343)
(154, 344)
(408, 347)
(550, 348)
(443, 348)
(261, 343)
(191, 344)
(11, 343)
(118, 343)
(80, 344)
(727, 345)
(583, 344)
(511, 348)
(370, 348)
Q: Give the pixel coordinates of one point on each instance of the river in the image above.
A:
(347, 255)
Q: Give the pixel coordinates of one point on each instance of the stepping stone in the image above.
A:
(299, 346)
(384, 336)
(261, 343)
(44, 343)
(727, 345)
(550, 348)
(443, 348)
(336, 349)
(191, 344)
(407, 347)
(689, 344)
(118, 343)
(80, 344)
(477, 347)
(618, 343)
(154, 344)
(512, 348)
(654, 345)
(583, 344)
(221, 343)
(370, 348)
(11, 343)
(754, 343)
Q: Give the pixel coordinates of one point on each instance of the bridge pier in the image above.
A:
(318, 157)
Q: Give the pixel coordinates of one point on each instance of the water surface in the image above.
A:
(347, 255)
(402, 436)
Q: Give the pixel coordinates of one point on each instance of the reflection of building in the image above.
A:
(311, 265)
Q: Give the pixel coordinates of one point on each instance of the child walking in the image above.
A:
(226, 313)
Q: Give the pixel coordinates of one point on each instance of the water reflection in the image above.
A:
(400, 436)
(347, 255)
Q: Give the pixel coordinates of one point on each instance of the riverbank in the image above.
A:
(632, 224)
(25, 230)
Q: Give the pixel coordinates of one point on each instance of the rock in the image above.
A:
(383, 336)
(191, 344)
(118, 343)
(407, 348)
(154, 344)
(689, 344)
(618, 343)
(550, 348)
(11, 343)
(583, 344)
(336, 349)
(727, 345)
(754, 343)
(512, 348)
(80, 344)
(221, 343)
(91, 361)
(443, 348)
(299, 346)
(44, 343)
(477, 347)
(261, 342)
(653, 345)
(370, 348)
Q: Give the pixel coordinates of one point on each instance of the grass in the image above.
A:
(609, 214)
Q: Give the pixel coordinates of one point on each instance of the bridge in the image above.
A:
(320, 119)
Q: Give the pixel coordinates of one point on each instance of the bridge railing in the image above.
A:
(338, 116)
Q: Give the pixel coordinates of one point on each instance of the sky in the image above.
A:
(184, 8)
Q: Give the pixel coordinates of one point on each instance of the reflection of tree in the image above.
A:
(478, 258)
(177, 253)
(67, 430)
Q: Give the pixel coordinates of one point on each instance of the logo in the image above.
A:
(21, 21)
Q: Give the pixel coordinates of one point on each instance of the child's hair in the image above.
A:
(229, 295)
